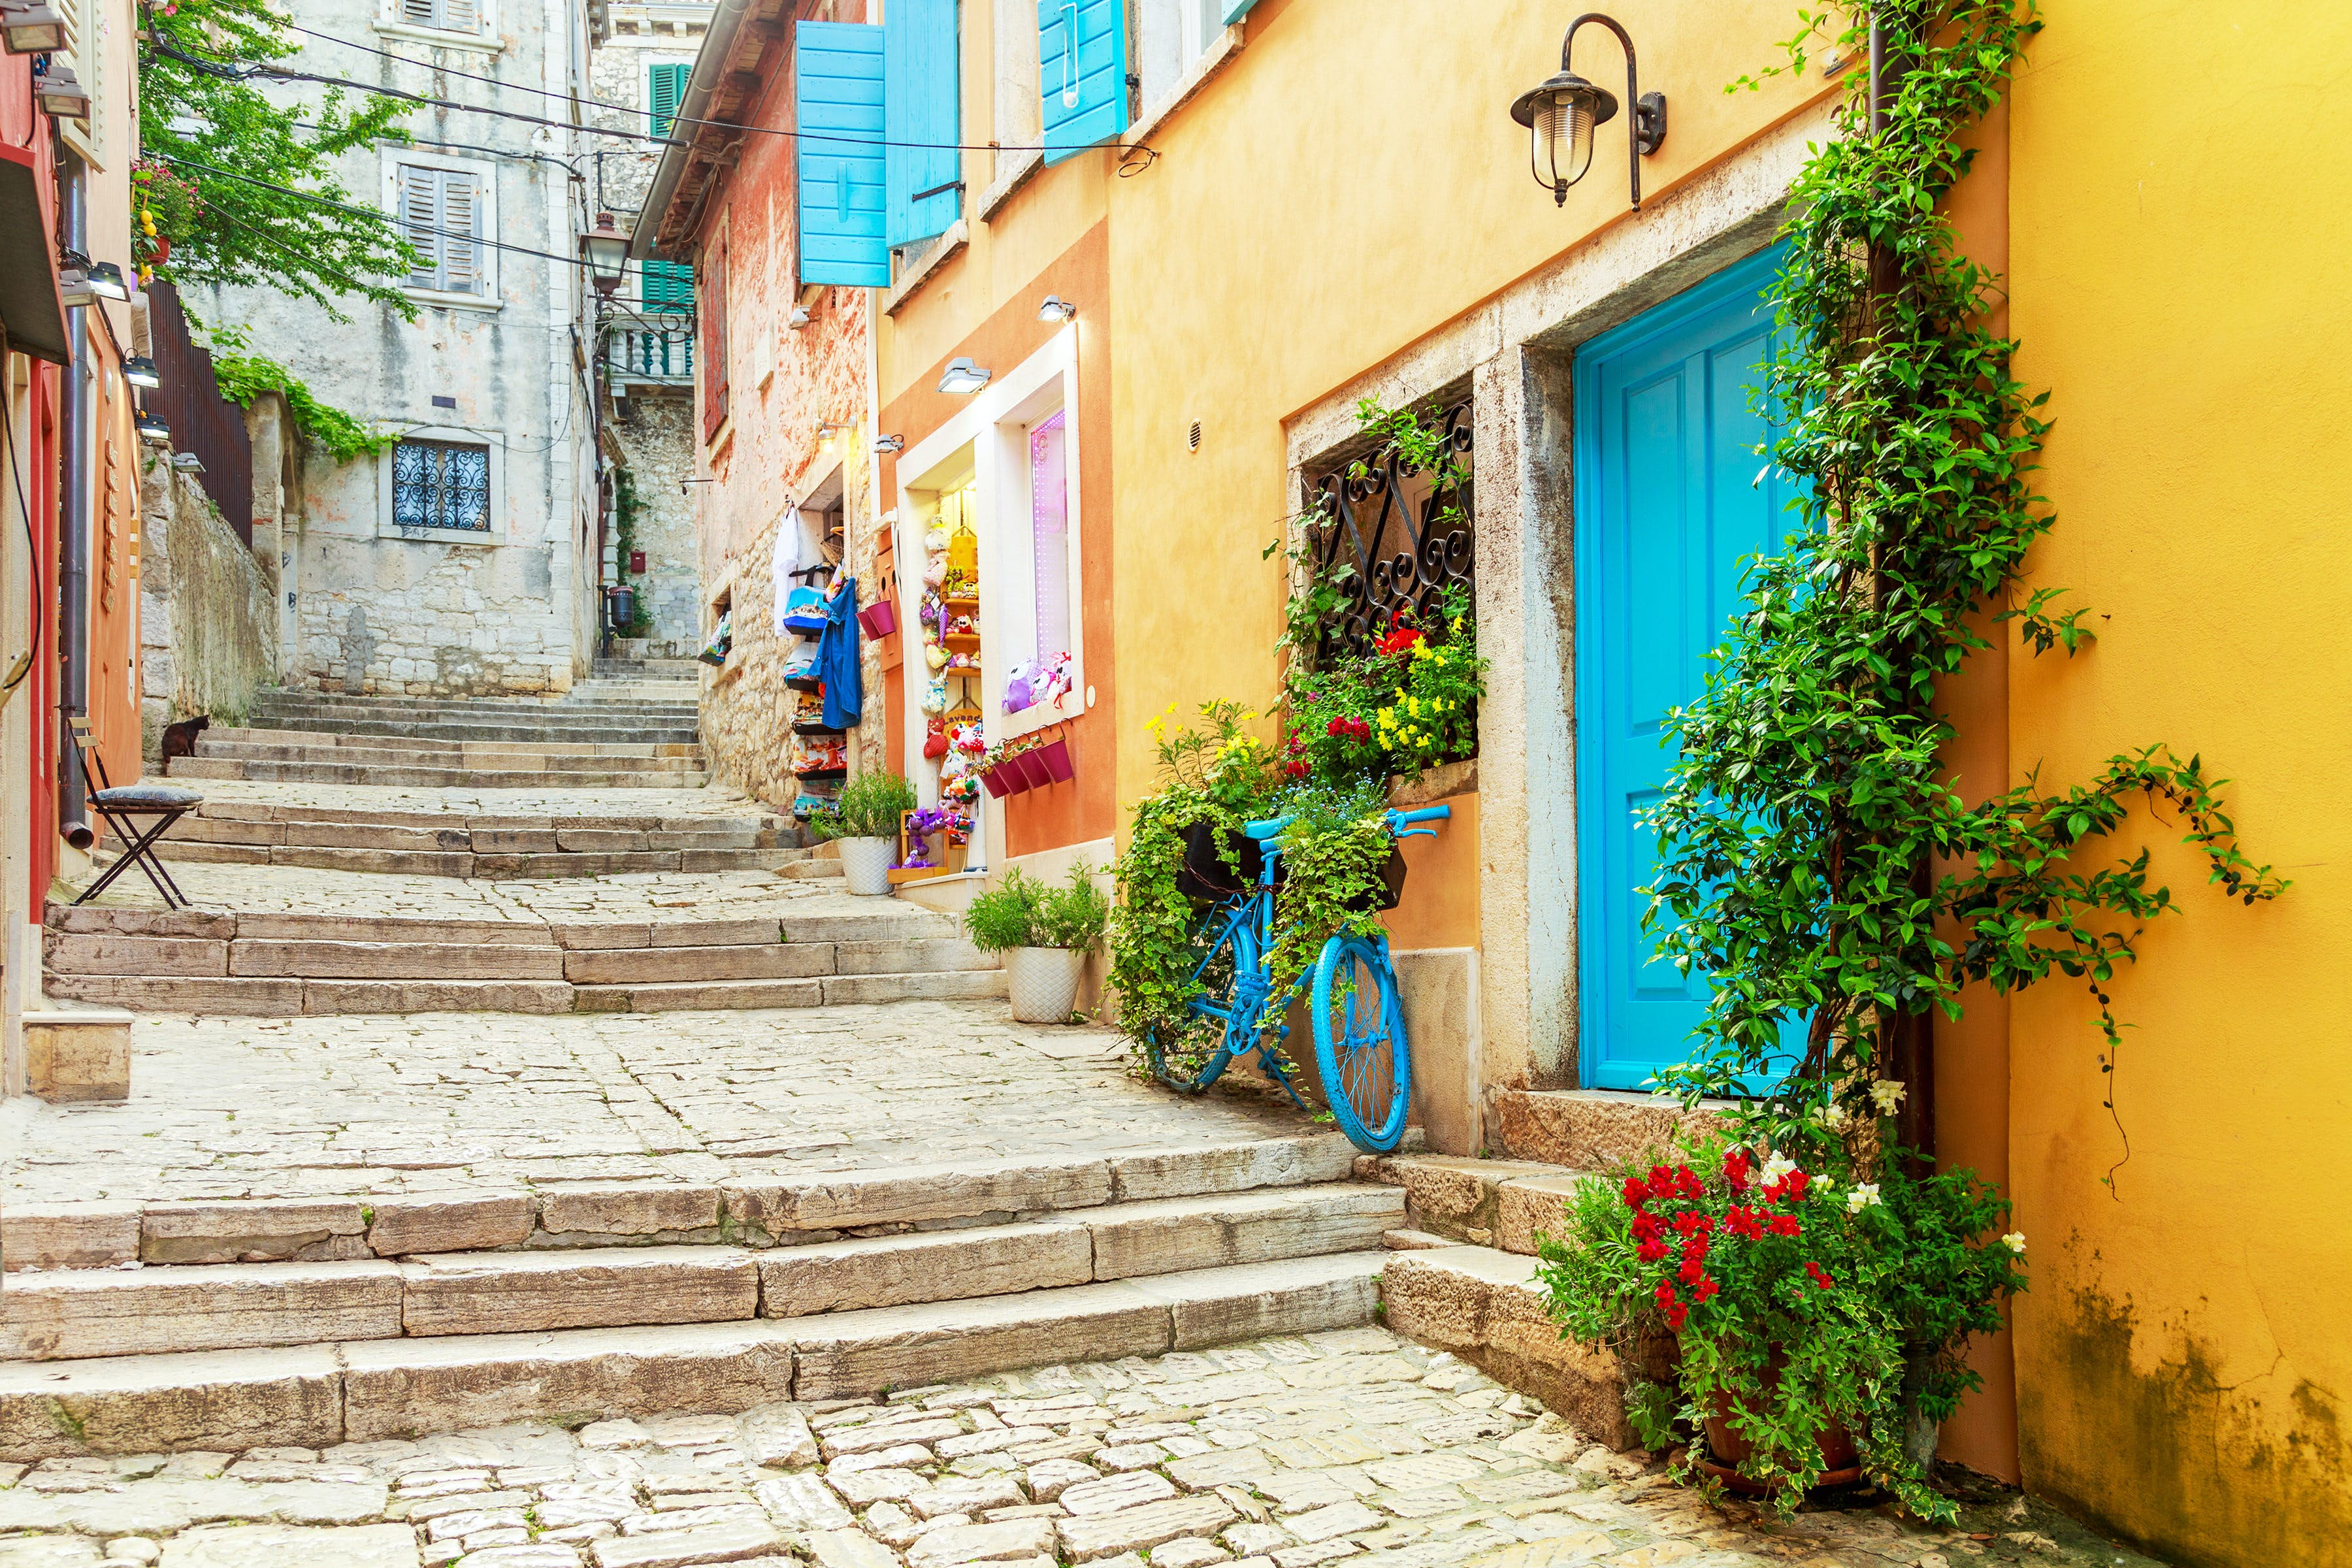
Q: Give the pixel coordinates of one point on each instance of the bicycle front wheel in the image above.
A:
(1359, 1043)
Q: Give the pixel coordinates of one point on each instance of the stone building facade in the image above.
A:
(640, 56)
(464, 560)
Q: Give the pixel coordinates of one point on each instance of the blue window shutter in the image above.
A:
(1081, 73)
(665, 90)
(837, 81)
(1236, 9)
(920, 107)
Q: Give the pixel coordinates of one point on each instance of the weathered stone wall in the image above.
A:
(377, 607)
(207, 616)
(655, 432)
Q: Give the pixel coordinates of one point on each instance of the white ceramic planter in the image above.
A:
(865, 865)
(1044, 982)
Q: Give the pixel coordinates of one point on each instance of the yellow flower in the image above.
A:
(1454, 624)
(1388, 717)
(1413, 706)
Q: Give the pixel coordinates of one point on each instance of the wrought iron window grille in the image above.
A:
(1407, 535)
(441, 484)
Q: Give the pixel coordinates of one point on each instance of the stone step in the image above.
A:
(442, 863)
(239, 741)
(570, 729)
(422, 778)
(76, 1314)
(680, 759)
(554, 710)
(321, 1394)
(263, 996)
(1594, 1129)
(797, 1210)
(647, 668)
(893, 922)
(1487, 1307)
(1504, 1204)
(556, 836)
(397, 707)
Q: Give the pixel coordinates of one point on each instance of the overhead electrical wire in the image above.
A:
(588, 102)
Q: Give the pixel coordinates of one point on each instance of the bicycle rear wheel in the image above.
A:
(1201, 1055)
(1360, 1042)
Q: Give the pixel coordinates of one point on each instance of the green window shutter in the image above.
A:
(667, 286)
(664, 91)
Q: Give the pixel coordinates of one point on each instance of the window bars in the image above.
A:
(441, 484)
(1407, 535)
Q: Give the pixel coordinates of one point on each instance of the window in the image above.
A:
(664, 91)
(1169, 35)
(441, 211)
(447, 15)
(441, 484)
(1049, 537)
(666, 286)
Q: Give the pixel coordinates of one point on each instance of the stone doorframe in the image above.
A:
(1515, 354)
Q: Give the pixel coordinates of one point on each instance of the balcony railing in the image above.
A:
(649, 353)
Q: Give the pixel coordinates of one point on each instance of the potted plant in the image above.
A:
(865, 820)
(1816, 1302)
(1044, 934)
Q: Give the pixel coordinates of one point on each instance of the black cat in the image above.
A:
(180, 739)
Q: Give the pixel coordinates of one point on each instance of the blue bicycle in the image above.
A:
(1353, 1004)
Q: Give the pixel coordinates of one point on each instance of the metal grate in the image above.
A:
(441, 484)
(203, 424)
(1408, 538)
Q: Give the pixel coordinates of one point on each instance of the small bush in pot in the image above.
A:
(1044, 934)
(864, 818)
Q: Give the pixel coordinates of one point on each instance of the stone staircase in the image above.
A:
(287, 965)
(490, 844)
(1462, 1276)
(134, 1328)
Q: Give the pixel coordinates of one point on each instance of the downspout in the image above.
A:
(75, 425)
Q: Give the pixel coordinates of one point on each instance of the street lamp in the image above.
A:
(1563, 113)
(606, 249)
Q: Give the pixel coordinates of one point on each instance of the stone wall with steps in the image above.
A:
(491, 1315)
(281, 965)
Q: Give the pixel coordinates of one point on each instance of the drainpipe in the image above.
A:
(73, 530)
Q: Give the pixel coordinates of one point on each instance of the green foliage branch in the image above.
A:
(1023, 911)
(627, 506)
(243, 375)
(868, 807)
(224, 143)
(1811, 799)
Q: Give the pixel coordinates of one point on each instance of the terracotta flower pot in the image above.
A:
(1055, 755)
(1841, 1465)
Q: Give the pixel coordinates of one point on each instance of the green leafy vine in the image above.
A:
(243, 376)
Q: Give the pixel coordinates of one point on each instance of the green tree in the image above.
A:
(215, 146)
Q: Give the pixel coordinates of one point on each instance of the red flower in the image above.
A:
(1689, 1223)
(1741, 1220)
(1667, 1296)
(1651, 1251)
(1648, 1226)
(1299, 769)
(1821, 1279)
(1707, 1290)
(1793, 1186)
(1399, 641)
(1674, 1316)
(1734, 1170)
(1693, 1268)
(1636, 1192)
(1784, 1225)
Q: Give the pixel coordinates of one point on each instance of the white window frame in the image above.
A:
(990, 438)
(486, 174)
(495, 513)
(391, 24)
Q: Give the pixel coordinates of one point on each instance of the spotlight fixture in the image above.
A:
(61, 93)
(31, 28)
(798, 319)
(106, 281)
(187, 463)
(1056, 308)
(962, 378)
(153, 431)
(827, 430)
(140, 370)
(889, 443)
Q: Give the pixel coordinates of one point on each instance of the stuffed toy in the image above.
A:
(935, 700)
(935, 541)
(1019, 693)
(935, 571)
(935, 655)
(935, 738)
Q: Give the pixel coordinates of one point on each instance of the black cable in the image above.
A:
(594, 103)
(32, 552)
(406, 141)
(397, 221)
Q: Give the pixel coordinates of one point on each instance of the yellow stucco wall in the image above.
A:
(1349, 183)
(2179, 280)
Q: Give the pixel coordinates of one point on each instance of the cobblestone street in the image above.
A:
(363, 1105)
(1275, 1454)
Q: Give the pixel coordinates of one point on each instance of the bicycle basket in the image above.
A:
(1207, 874)
(1391, 891)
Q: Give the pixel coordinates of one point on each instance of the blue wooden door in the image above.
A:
(1670, 497)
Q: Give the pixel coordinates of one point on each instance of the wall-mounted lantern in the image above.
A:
(1561, 114)
(606, 249)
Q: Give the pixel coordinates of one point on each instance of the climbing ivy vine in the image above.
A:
(1814, 851)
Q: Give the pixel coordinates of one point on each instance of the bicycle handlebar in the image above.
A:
(1426, 813)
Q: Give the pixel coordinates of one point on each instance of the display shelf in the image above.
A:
(961, 642)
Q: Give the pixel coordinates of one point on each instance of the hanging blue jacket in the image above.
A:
(836, 658)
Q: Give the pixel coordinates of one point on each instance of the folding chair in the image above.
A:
(163, 802)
